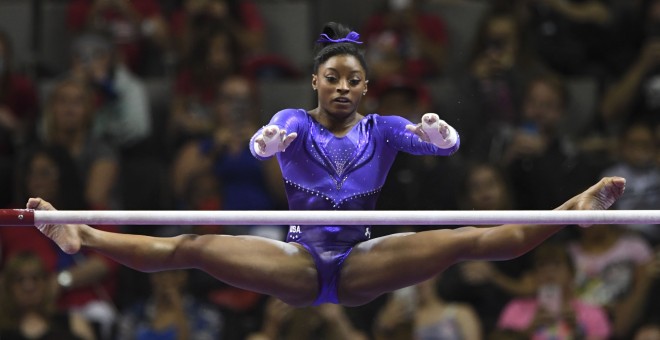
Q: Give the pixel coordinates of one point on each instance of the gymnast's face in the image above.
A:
(340, 82)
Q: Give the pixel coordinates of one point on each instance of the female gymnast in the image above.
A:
(332, 157)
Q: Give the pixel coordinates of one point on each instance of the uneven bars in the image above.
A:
(28, 217)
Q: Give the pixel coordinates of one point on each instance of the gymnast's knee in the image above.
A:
(189, 248)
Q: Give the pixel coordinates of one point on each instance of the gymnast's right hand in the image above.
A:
(67, 237)
(272, 140)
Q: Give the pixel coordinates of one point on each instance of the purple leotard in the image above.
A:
(325, 172)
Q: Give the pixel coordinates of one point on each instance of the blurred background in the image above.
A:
(149, 105)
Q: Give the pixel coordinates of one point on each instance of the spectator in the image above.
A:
(170, 312)
(635, 95)
(412, 176)
(196, 19)
(404, 39)
(245, 182)
(240, 308)
(324, 322)
(211, 61)
(540, 152)
(398, 95)
(122, 112)
(18, 108)
(426, 316)
(27, 305)
(489, 96)
(85, 282)
(137, 28)
(484, 186)
(612, 272)
(572, 36)
(67, 122)
(636, 154)
(555, 311)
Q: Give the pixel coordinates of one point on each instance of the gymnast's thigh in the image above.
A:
(388, 263)
(284, 270)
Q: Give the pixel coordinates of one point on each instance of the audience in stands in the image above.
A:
(85, 281)
(18, 110)
(92, 140)
(27, 304)
(66, 121)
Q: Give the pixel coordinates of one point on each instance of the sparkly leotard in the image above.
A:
(325, 172)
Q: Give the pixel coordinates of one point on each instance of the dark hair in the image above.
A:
(197, 58)
(552, 80)
(553, 253)
(9, 310)
(326, 50)
(501, 175)
(6, 42)
(70, 184)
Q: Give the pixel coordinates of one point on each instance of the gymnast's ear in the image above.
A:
(314, 82)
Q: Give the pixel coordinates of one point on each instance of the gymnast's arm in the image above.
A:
(402, 135)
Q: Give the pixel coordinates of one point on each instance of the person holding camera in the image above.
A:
(555, 312)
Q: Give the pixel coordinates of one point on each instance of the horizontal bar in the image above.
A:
(16, 217)
(343, 217)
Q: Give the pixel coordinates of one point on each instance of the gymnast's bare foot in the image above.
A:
(67, 237)
(599, 196)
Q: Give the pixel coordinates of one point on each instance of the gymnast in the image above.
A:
(332, 158)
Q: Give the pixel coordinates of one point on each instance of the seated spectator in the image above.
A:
(636, 155)
(211, 61)
(27, 305)
(489, 98)
(246, 184)
(573, 37)
(555, 311)
(398, 95)
(324, 322)
(198, 18)
(136, 27)
(67, 122)
(18, 109)
(634, 94)
(85, 282)
(419, 312)
(170, 312)
(412, 176)
(122, 114)
(614, 269)
(483, 187)
(611, 271)
(404, 39)
(540, 151)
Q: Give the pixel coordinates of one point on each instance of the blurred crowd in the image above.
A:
(92, 134)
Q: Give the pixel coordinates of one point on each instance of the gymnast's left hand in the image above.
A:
(434, 130)
(66, 236)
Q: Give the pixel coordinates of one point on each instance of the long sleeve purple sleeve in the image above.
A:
(323, 171)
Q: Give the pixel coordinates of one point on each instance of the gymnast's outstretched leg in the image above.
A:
(280, 269)
(388, 263)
